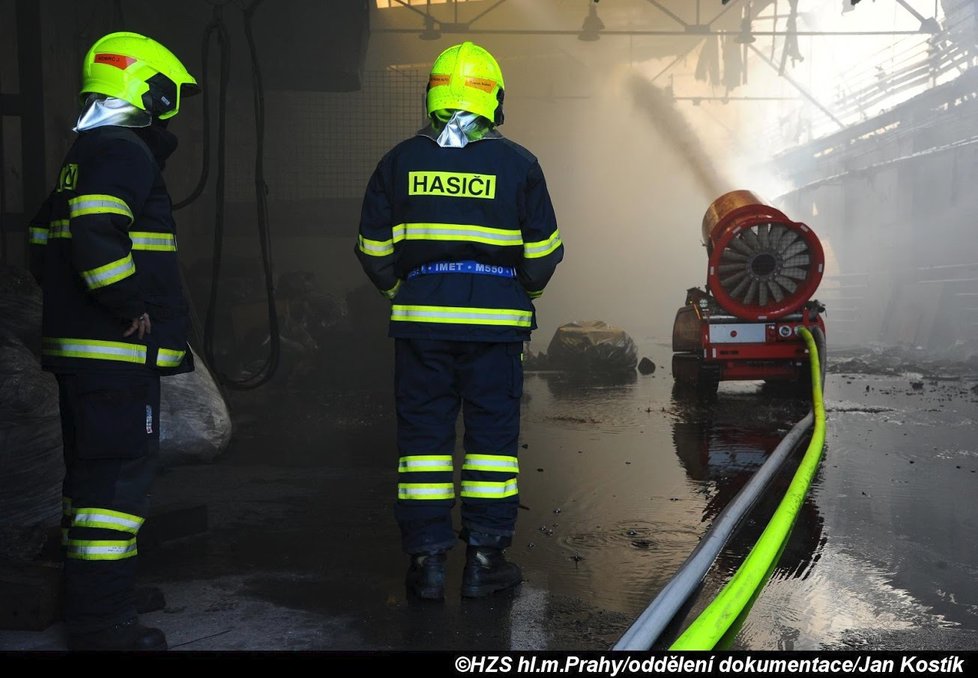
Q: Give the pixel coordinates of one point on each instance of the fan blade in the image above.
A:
(796, 273)
(729, 255)
(799, 260)
(794, 249)
(751, 292)
(735, 292)
(787, 284)
(777, 233)
(762, 235)
(751, 239)
(742, 247)
(731, 280)
(789, 239)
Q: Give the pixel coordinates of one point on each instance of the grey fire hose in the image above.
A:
(645, 630)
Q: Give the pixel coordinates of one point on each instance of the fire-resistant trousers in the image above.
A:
(433, 380)
(110, 426)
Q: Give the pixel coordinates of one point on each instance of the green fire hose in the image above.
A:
(711, 625)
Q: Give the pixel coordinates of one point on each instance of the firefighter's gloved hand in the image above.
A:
(392, 292)
(142, 325)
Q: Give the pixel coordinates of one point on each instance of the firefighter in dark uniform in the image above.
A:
(104, 248)
(458, 231)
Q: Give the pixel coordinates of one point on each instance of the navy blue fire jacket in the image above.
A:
(104, 249)
(460, 239)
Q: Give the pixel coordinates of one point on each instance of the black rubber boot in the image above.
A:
(487, 571)
(426, 576)
(129, 635)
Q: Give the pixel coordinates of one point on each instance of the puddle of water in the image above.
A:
(619, 480)
(636, 475)
(639, 476)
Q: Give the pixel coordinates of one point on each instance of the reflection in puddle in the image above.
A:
(639, 475)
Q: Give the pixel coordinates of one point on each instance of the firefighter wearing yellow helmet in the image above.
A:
(137, 70)
(467, 78)
(103, 246)
(459, 232)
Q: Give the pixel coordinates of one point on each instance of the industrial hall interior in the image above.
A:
(488, 325)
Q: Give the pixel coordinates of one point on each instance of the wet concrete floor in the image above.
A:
(618, 483)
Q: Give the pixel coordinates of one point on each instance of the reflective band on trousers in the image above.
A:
(96, 203)
(458, 232)
(150, 241)
(167, 357)
(375, 248)
(425, 491)
(107, 519)
(535, 250)
(488, 490)
(112, 272)
(425, 462)
(458, 315)
(491, 462)
(99, 549)
(94, 349)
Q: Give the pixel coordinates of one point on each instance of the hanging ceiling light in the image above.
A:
(429, 32)
(746, 35)
(592, 26)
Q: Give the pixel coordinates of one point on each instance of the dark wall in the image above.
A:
(303, 45)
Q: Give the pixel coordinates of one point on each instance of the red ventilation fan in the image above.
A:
(762, 273)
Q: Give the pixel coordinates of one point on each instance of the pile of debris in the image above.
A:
(589, 346)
